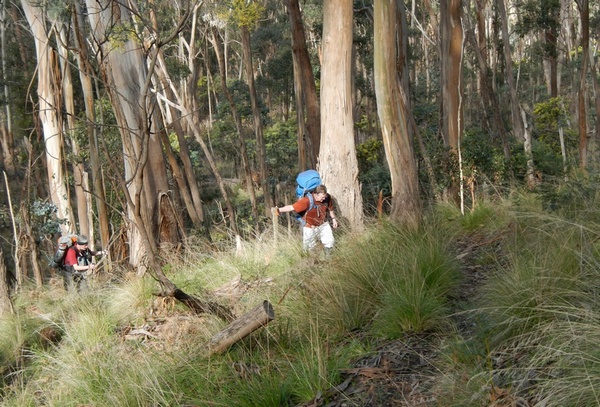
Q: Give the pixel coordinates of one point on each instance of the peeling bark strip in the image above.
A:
(242, 327)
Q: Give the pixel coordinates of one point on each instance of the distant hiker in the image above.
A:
(314, 208)
(77, 264)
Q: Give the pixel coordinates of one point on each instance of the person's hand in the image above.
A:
(334, 223)
(275, 210)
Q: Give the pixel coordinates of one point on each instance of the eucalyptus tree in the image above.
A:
(246, 16)
(86, 73)
(518, 116)
(392, 111)
(183, 99)
(48, 93)
(122, 59)
(492, 115)
(584, 11)
(214, 36)
(595, 83)
(5, 301)
(451, 40)
(127, 74)
(337, 157)
(309, 122)
(68, 117)
(171, 118)
(6, 128)
(542, 17)
(451, 57)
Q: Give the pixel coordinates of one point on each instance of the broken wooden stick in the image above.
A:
(242, 327)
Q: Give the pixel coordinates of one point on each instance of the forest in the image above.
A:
(207, 103)
(464, 131)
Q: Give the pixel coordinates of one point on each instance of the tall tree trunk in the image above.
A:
(596, 84)
(85, 76)
(180, 180)
(517, 113)
(214, 38)
(48, 100)
(397, 140)
(80, 176)
(193, 124)
(5, 301)
(489, 98)
(584, 11)
(337, 159)
(30, 254)
(258, 128)
(451, 42)
(551, 39)
(6, 130)
(451, 38)
(312, 137)
(301, 132)
(185, 179)
(126, 77)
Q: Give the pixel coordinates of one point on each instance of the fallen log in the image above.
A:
(199, 306)
(242, 327)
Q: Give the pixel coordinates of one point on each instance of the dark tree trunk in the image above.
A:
(584, 11)
(5, 302)
(258, 128)
(312, 138)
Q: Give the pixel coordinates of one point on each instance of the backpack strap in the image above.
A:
(311, 206)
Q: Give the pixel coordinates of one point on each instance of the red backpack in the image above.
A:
(64, 243)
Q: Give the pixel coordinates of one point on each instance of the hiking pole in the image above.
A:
(274, 216)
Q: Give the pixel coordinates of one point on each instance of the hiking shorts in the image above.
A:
(312, 234)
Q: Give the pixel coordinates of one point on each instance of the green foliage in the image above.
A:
(369, 153)
(246, 13)
(480, 217)
(177, 70)
(534, 322)
(575, 199)
(377, 179)
(548, 118)
(538, 15)
(481, 158)
(544, 273)
(317, 369)
(18, 331)
(44, 221)
(373, 173)
(281, 144)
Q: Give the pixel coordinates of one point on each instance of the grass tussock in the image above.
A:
(395, 281)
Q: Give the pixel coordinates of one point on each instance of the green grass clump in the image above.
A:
(395, 280)
(268, 389)
(543, 270)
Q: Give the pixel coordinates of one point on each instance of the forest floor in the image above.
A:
(399, 372)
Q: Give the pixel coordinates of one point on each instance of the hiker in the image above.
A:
(77, 263)
(314, 217)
